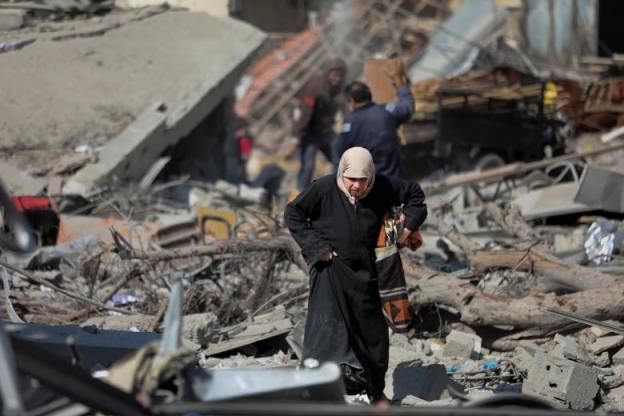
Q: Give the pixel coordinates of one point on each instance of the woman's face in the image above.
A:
(355, 186)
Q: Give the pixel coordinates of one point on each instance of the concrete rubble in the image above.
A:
(112, 131)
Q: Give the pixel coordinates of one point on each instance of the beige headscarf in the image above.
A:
(356, 162)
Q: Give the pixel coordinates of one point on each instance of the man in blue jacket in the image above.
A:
(374, 126)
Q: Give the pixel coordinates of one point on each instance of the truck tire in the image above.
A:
(489, 161)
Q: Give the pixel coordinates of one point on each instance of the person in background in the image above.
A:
(374, 127)
(336, 222)
(314, 124)
(237, 152)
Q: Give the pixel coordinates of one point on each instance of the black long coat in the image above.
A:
(345, 323)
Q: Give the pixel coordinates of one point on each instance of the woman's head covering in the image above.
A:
(356, 162)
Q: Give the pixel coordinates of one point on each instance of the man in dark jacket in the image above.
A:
(315, 124)
(374, 127)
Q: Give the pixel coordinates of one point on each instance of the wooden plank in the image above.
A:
(251, 335)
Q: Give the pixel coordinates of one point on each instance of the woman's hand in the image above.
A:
(328, 256)
(404, 237)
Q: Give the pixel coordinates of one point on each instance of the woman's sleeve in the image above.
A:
(298, 216)
(411, 195)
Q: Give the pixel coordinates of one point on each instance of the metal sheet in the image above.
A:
(560, 32)
(320, 384)
(457, 43)
(551, 201)
(601, 189)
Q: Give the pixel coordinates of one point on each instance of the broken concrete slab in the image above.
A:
(462, 345)
(613, 400)
(601, 360)
(124, 158)
(618, 357)
(155, 58)
(568, 347)
(142, 323)
(603, 344)
(524, 354)
(562, 382)
(610, 382)
(195, 327)
(251, 334)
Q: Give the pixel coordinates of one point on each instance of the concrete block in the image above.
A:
(462, 345)
(562, 382)
(524, 354)
(606, 343)
(426, 383)
(11, 19)
(568, 347)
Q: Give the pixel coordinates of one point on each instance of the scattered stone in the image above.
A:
(568, 347)
(140, 323)
(618, 369)
(196, 327)
(436, 344)
(610, 382)
(562, 382)
(618, 357)
(462, 345)
(606, 343)
(601, 360)
(613, 400)
(600, 332)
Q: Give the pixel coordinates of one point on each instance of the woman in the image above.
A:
(336, 222)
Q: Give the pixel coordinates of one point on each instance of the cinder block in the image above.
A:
(524, 354)
(461, 345)
(567, 347)
(562, 382)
